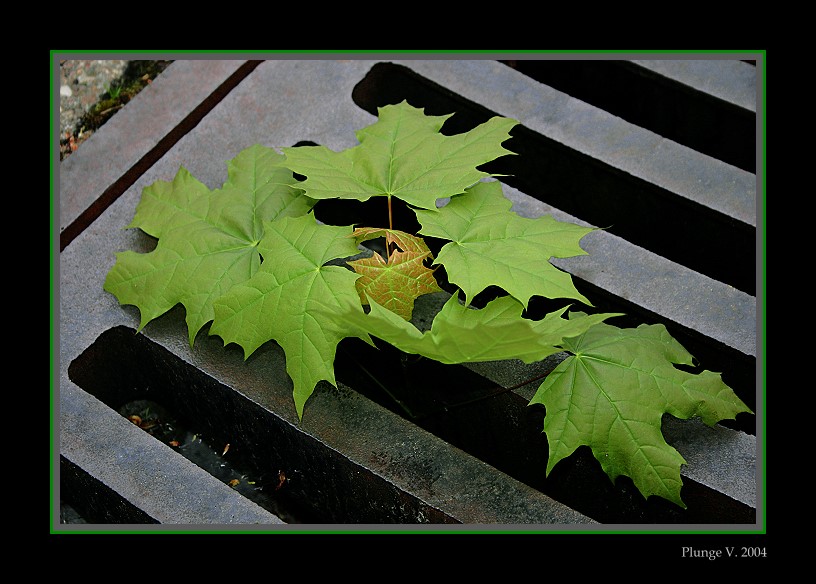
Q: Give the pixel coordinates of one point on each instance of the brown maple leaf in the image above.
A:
(396, 282)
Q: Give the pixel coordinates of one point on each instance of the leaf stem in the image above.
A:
(390, 246)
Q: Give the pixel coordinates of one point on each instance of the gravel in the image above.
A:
(82, 84)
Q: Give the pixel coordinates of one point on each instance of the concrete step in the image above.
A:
(357, 457)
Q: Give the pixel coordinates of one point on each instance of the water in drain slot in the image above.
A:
(157, 421)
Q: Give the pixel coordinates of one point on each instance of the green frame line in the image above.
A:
(759, 55)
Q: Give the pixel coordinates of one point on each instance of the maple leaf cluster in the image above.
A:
(251, 259)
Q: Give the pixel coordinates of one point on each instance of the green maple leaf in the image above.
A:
(611, 395)
(281, 300)
(460, 334)
(207, 241)
(491, 245)
(401, 155)
(396, 282)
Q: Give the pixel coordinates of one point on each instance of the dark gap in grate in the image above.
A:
(704, 240)
(669, 108)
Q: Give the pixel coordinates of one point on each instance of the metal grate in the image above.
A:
(681, 246)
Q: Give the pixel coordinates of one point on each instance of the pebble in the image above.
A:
(82, 83)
